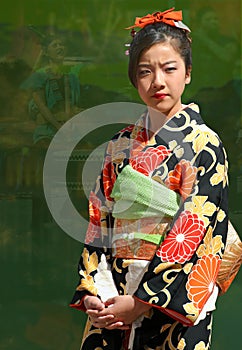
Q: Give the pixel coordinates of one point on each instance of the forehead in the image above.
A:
(161, 51)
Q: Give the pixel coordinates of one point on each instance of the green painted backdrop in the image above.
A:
(39, 260)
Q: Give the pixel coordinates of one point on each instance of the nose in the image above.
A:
(158, 80)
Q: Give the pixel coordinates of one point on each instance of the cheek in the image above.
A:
(141, 90)
(142, 85)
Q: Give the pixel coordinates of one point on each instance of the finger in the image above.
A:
(104, 312)
(104, 321)
(110, 301)
(92, 312)
(99, 315)
(95, 306)
(117, 325)
(107, 318)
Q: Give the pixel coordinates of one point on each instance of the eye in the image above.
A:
(170, 69)
(143, 72)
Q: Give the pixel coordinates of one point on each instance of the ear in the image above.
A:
(188, 75)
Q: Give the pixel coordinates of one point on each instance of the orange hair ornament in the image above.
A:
(173, 18)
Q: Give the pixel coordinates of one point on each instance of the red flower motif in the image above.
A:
(109, 177)
(139, 138)
(183, 239)
(128, 128)
(182, 178)
(94, 207)
(93, 230)
(202, 279)
(142, 135)
(146, 162)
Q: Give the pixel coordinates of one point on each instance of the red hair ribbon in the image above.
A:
(173, 18)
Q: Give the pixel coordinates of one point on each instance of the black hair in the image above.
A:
(154, 34)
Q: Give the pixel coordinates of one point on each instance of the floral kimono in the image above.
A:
(157, 230)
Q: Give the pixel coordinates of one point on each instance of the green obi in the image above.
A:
(137, 196)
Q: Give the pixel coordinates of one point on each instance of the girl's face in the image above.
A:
(161, 78)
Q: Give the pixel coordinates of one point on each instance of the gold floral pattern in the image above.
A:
(90, 263)
(182, 344)
(117, 148)
(201, 346)
(200, 138)
(212, 245)
(218, 176)
(202, 207)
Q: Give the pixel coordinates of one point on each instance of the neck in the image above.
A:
(156, 120)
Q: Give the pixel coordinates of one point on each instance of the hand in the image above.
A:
(124, 309)
(93, 308)
(92, 302)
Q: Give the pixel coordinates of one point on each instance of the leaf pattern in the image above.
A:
(191, 310)
(200, 138)
(218, 176)
(90, 261)
(202, 207)
(211, 245)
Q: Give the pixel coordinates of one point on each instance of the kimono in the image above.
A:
(165, 248)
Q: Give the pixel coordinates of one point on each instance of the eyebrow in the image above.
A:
(148, 64)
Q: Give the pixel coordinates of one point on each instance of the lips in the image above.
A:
(159, 96)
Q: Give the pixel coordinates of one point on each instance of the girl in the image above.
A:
(158, 214)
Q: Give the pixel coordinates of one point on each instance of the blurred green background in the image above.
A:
(39, 260)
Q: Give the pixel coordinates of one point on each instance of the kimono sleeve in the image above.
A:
(182, 275)
(94, 267)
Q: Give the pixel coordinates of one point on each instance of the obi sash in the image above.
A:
(143, 212)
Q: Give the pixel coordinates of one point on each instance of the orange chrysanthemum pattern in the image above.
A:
(93, 230)
(146, 162)
(183, 239)
(182, 178)
(202, 279)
